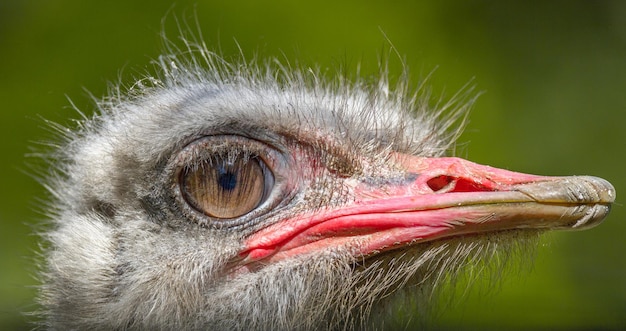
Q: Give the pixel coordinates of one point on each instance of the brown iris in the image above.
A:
(225, 187)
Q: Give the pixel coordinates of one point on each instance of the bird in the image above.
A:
(248, 195)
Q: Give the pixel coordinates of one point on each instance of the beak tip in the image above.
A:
(595, 215)
(606, 191)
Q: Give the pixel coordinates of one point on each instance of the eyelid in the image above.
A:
(207, 145)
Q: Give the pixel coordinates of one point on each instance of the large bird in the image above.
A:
(236, 196)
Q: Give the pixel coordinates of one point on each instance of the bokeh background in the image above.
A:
(552, 73)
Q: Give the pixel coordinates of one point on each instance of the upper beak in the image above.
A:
(436, 198)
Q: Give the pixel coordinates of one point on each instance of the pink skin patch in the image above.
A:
(450, 196)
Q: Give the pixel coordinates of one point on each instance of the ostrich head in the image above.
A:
(236, 196)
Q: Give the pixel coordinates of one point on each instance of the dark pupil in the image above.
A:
(227, 180)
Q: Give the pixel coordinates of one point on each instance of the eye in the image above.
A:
(228, 180)
(227, 186)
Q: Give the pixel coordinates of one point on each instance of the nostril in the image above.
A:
(441, 183)
(445, 184)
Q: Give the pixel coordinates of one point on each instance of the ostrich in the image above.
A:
(238, 196)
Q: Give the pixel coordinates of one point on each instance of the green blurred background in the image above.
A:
(553, 76)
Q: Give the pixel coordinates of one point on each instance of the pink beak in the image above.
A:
(437, 198)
